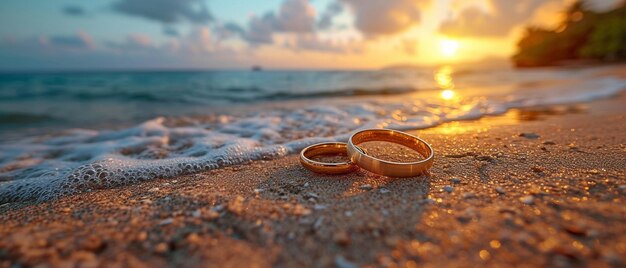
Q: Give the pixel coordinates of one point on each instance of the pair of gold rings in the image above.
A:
(359, 158)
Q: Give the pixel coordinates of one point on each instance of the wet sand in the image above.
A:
(541, 187)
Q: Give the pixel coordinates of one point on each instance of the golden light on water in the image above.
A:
(443, 78)
(448, 48)
(447, 94)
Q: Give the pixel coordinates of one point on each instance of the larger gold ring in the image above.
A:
(389, 168)
(328, 148)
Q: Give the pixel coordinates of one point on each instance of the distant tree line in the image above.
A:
(583, 36)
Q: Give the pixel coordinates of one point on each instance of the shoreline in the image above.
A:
(493, 198)
(49, 125)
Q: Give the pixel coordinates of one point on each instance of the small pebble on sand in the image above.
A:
(469, 195)
(485, 158)
(448, 188)
(319, 207)
(311, 195)
(455, 180)
(291, 235)
(549, 143)
(161, 248)
(384, 190)
(428, 201)
(366, 187)
(529, 135)
(594, 171)
(342, 238)
(300, 210)
(574, 229)
(528, 200)
(142, 236)
(341, 262)
(212, 214)
(166, 221)
(318, 223)
(537, 169)
(236, 205)
(500, 190)
(196, 213)
(258, 191)
(193, 238)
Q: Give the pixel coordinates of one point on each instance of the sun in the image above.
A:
(447, 94)
(448, 48)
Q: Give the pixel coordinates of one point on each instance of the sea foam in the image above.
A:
(82, 160)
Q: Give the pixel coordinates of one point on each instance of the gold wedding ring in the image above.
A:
(389, 168)
(328, 148)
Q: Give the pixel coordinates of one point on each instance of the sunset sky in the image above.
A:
(300, 34)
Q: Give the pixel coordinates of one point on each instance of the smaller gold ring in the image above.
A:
(389, 168)
(337, 148)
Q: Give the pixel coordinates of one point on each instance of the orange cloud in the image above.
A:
(504, 16)
(375, 17)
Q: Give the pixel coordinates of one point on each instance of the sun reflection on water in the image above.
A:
(443, 78)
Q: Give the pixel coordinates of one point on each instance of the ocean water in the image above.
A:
(65, 133)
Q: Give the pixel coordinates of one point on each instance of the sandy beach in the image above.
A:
(142, 133)
(540, 187)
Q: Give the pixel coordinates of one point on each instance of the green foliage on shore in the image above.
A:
(584, 35)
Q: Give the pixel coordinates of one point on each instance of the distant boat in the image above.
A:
(257, 68)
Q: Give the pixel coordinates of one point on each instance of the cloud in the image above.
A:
(376, 17)
(199, 40)
(296, 20)
(133, 42)
(196, 49)
(80, 40)
(261, 30)
(228, 30)
(165, 11)
(312, 42)
(44, 47)
(294, 16)
(170, 31)
(326, 19)
(73, 10)
(504, 15)
(14, 46)
(233, 27)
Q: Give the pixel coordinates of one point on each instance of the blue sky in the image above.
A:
(225, 34)
(23, 18)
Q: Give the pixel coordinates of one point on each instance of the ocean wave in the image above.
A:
(85, 160)
(230, 94)
(268, 95)
(207, 87)
(15, 118)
